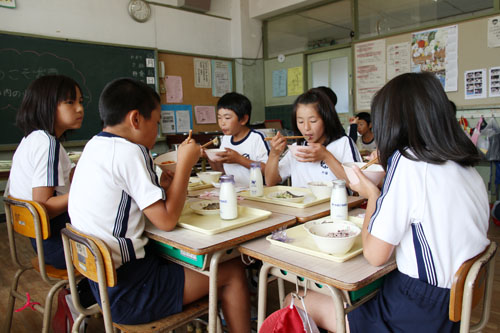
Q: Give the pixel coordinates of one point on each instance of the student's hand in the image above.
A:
(166, 179)
(353, 120)
(189, 152)
(278, 144)
(364, 187)
(203, 153)
(313, 152)
(373, 155)
(230, 156)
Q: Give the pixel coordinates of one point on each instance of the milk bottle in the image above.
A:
(227, 198)
(256, 184)
(338, 201)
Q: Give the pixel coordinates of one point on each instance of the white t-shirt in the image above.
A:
(343, 149)
(113, 182)
(435, 215)
(252, 147)
(39, 161)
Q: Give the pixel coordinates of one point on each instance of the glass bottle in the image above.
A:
(256, 183)
(338, 201)
(227, 198)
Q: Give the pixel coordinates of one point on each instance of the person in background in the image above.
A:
(115, 187)
(242, 145)
(362, 124)
(319, 156)
(430, 195)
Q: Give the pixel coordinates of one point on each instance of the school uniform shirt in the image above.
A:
(343, 149)
(435, 215)
(114, 181)
(252, 147)
(39, 161)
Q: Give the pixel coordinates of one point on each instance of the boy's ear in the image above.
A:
(133, 118)
(244, 120)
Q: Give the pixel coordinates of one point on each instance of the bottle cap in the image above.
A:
(255, 165)
(338, 183)
(227, 179)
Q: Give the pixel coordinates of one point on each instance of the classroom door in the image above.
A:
(333, 69)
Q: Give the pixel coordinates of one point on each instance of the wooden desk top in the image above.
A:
(198, 243)
(350, 275)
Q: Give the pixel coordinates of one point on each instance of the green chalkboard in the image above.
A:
(23, 59)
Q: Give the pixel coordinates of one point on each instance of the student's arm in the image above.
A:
(55, 205)
(376, 251)
(318, 152)
(271, 171)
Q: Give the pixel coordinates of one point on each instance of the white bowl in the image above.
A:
(167, 161)
(209, 177)
(374, 172)
(276, 196)
(294, 149)
(321, 190)
(323, 236)
(212, 154)
(199, 207)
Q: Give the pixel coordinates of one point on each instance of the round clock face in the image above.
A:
(139, 10)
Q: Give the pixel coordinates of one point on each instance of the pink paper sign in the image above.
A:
(205, 114)
(173, 84)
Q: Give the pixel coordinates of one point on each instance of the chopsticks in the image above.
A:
(214, 141)
(375, 160)
(190, 135)
(286, 137)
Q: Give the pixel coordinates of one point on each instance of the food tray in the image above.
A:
(303, 242)
(5, 165)
(309, 200)
(195, 184)
(213, 224)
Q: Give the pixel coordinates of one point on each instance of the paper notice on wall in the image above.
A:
(475, 84)
(8, 3)
(494, 31)
(295, 81)
(202, 73)
(370, 71)
(167, 121)
(222, 77)
(494, 75)
(205, 114)
(279, 83)
(173, 84)
(398, 59)
(183, 121)
(176, 118)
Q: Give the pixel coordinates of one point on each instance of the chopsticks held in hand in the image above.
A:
(215, 141)
(286, 137)
(190, 135)
(375, 160)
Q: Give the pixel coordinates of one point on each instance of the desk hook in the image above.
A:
(297, 281)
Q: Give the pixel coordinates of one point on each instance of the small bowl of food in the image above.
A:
(286, 196)
(334, 238)
(205, 207)
(167, 161)
(374, 172)
(212, 154)
(321, 190)
(294, 149)
(209, 177)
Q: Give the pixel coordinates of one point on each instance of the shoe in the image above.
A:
(63, 320)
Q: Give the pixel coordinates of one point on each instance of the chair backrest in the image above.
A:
(26, 216)
(482, 270)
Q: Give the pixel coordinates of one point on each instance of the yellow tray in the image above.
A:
(213, 224)
(195, 184)
(309, 200)
(303, 242)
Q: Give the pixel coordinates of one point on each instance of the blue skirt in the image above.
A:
(53, 249)
(404, 304)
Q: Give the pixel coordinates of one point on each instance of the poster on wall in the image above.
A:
(295, 81)
(8, 3)
(279, 83)
(205, 114)
(167, 120)
(181, 122)
(202, 73)
(370, 71)
(494, 76)
(475, 84)
(494, 31)
(222, 77)
(173, 85)
(435, 51)
(398, 59)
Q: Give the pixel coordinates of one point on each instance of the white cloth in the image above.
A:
(252, 147)
(343, 149)
(113, 182)
(39, 161)
(435, 215)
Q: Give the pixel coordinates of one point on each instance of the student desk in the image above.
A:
(5, 169)
(315, 273)
(219, 246)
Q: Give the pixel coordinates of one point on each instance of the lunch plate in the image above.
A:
(301, 241)
(309, 198)
(195, 184)
(199, 207)
(213, 224)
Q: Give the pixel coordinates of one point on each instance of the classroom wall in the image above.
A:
(265, 8)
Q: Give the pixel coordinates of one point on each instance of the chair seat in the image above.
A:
(189, 313)
(60, 274)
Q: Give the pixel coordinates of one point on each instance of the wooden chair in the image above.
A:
(30, 219)
(92, 258)
(472, 281)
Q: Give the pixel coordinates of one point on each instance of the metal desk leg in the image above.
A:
(212, 293)
(281, 291)
(338, 302)
(264, 270)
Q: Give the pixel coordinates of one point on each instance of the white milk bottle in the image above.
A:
(338, 201)
(256, 184)
(227, 198)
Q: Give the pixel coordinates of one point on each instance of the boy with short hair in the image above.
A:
(242, 144)
(114, 184)
(362, 124)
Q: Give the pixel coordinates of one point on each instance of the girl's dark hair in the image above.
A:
(326, 110)
(39, 105)
(412, 111)
(123, 95)
(237, 103)
(330, 93)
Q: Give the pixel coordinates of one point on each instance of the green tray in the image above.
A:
(193, 259)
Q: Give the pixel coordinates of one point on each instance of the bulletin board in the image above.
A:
(183, 66)
(473, 54)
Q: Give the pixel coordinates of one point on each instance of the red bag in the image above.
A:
(289, 320)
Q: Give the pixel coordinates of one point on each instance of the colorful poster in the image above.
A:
(494, 75)
(475, 84)
(8, 3)
(279, 83)
(436, 51)
(222, 77)
(202, 73)
(370, 71)
(494, 31)
(295, 83)
(398, 59)
(173, 84)
(205, 114)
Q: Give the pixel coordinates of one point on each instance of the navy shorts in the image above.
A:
(404, 304)
(147, 289)
(53, 250)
